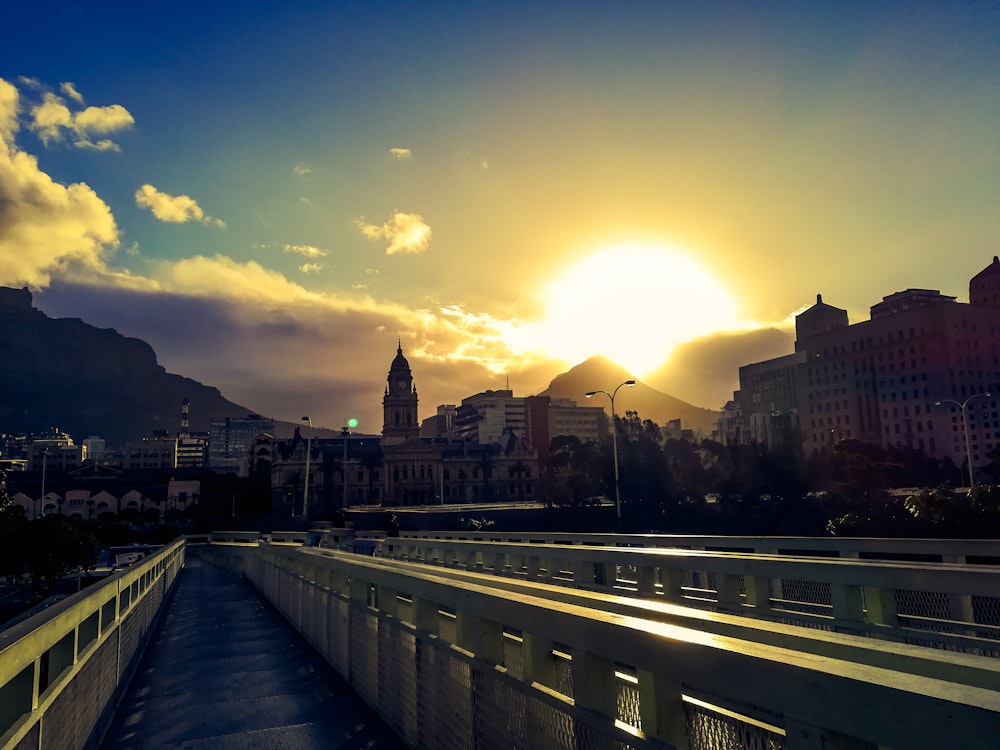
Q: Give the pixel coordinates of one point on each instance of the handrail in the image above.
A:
(80, 638)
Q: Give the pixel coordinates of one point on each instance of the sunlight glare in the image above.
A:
(633, 305)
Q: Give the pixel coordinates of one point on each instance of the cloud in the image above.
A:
(52, 120)
(9, 107)
(306, 251)
(407, 233)
(173, 208)
(301, 170)
(311, 267)
(401, 153)
(69, 89)
(47, 228)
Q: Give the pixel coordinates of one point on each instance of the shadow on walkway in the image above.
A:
(224, 671)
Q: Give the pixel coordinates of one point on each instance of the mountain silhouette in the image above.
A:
(600, 373)
(62, 372)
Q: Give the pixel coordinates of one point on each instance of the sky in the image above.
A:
(275, 195)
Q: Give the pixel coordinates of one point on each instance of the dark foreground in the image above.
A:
(224, 671)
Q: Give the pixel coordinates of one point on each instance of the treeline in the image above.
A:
(851, 488)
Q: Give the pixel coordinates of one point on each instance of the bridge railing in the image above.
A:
(952, 606)
(461, 664)
(63, 671)
(974, 551)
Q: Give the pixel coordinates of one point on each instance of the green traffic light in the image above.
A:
(352, 422)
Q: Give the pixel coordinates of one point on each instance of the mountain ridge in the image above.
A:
(600, 373)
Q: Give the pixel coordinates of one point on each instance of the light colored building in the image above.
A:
(151, 453)
(483, 418)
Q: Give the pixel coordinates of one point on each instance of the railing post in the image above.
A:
(594, 684)
(661, 708)
(758, 590)
(848, 603)
(646, 580)
(880, 604)
(539, 665)
(727, 591)
(425, 615)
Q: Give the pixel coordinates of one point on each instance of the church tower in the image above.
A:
(399, 404)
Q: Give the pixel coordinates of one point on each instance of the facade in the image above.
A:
(231, 441)
(483, 418)
(546, 418)
(151, 453)
(908, 377)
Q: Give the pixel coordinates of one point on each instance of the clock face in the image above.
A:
(401, 386)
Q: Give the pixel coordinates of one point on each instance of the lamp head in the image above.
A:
(589, 394)
(630, 383)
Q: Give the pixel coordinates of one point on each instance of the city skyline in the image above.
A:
(272, 197)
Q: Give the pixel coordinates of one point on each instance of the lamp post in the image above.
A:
(41, 502)
(348, 424)
(965, 425)
(305, 491)
(614, 441)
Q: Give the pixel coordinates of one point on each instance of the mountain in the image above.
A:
(599, 373)
(86, 381)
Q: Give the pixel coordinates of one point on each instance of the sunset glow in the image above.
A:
(633, 304)
(274, 198)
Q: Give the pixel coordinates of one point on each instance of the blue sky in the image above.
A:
(272, 194)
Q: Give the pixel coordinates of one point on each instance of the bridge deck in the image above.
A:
(224, 670)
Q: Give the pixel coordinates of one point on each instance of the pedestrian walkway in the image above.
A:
(224, 671)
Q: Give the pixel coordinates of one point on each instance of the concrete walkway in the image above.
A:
(225, 671)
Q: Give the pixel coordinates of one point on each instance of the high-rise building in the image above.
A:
(231, 441)
(907, 377)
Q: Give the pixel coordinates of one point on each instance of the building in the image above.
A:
(546, 418)
(231, 441)
(907, 377)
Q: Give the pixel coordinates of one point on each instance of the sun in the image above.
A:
(633, 304)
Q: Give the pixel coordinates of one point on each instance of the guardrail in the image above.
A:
(63, 671)
(951, 606)
(453, 663)
(974, 551)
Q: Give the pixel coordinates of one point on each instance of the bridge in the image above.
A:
(488, 640)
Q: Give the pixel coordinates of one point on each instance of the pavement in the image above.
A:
(225, 671)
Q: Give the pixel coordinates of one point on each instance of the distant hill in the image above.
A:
(90, 381)
(599, 373)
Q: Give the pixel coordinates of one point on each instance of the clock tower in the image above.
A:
(399, 404)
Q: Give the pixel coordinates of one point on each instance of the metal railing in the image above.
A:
(954, 606)
(63, 671)
(453, 659)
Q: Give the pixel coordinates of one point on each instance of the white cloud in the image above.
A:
(173, 208)
(52, 120)
(311, 267)
(306, 251)
(301, 170)
(406, 233)
(401, 153)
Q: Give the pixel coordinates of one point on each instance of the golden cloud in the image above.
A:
(45, 227)
(311, 267)
(301, 170)
(401, 153)
(306, 251)
(173, 208)
(52, 119)
(406, 233)
(69, 89)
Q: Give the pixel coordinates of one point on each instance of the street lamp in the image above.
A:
(305, 492)
(45, 458)
(614, 441)
(965, 425)
(346, 430)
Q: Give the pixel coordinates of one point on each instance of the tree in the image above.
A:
(52, 546)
